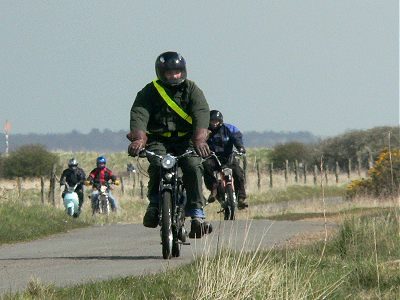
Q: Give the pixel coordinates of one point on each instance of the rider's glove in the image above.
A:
(116, 182)
(199, 140)
(242, 150)
(138, 140)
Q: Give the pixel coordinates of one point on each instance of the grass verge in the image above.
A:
(20, 222)
(360, 262)
(295, 192)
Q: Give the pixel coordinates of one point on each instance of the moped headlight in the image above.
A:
(168, 161)
(168, 177)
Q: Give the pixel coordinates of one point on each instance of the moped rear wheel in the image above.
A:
(229, 212)
(166, 224)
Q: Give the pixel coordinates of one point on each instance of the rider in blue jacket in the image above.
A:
(221, 140)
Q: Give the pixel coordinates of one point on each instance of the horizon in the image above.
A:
(103, 130)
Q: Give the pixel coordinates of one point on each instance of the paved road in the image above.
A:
(109, 251)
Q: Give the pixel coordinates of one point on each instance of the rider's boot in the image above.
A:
(199, 227)
(150, 218)
(213, 195)
(242, 204)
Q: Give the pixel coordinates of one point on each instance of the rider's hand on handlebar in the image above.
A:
(200, 142)
(135, 148)
(138, 140)
(242, 150)
(202, 149)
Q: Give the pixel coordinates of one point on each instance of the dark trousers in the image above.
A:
(191, 166)
(210, 165)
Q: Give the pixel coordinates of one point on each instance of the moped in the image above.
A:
(71, 201)
(102, 203)
(172, 203)
(226, 187)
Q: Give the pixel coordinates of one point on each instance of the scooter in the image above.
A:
(71, 201)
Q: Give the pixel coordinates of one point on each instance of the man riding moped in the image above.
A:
(221, 140)
(101, 175)
(72, 176)
(171, 115)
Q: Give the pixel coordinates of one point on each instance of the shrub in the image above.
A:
(384, 177)
(28, 161)
(290, 151)
(358, 145)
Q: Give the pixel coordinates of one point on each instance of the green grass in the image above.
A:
(360, 262)
(20, 222)
(364, 211)
(295, 192)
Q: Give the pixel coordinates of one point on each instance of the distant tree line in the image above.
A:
(353, 147)
(110, 141)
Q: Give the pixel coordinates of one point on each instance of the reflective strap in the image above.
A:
(169, 133)
(171, 103)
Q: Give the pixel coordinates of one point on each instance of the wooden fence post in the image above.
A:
(245, 169)
(358, 165)
(337, 172)
(315, 173)
(296, 170)
(134, 182)
(271, 169)
(52, 191)
(122, 185)
(258, 175)
(326, 174)
(286, 170)
(42, 189)
(305, 172)
(141, 190)
(349, 168)
(19, 186)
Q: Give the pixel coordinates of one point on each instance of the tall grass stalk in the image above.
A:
(230, 274)
(376, 259)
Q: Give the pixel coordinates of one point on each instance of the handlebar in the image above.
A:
(151, 153)
(234, 152)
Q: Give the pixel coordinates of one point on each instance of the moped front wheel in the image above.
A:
(230, 208)
(70, 211)
(166, 224)
(105, 206)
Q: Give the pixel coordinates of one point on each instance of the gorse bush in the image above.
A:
(384, 177)
(28, 161)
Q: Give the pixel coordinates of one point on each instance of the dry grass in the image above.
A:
(133, 205)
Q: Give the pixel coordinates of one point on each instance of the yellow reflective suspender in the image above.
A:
(171, 103)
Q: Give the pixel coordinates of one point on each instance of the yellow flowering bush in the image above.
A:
(384, 177)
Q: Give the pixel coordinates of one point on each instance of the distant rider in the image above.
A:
(171, 115)
(73, 175)
(221, 141)
(101, 176)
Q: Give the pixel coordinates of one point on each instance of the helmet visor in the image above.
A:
(215, 124)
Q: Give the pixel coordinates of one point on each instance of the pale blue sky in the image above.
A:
(319, 66)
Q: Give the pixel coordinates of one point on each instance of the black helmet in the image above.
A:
(216, 115)
(169, 61)
(216, 119)
(72, 163)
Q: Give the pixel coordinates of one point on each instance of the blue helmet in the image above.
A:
(101, 161)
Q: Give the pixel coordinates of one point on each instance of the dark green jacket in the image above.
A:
(151, 113)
